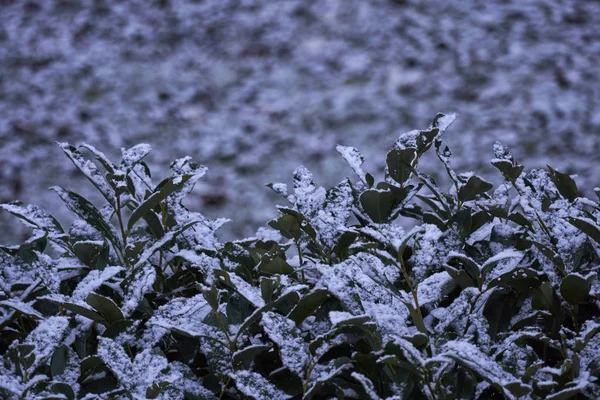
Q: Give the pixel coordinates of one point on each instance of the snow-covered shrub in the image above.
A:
(490, 295)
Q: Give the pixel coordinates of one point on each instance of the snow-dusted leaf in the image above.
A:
(168, 237)
(136, 288)
(255, 386)
(354, 159)
(134, 154)
(45, 338)
(90, 171)
(283, 331)
(93, 280)
(163, 190)
(33, 216)
(471, 357)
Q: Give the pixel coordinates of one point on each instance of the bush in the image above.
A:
(491, 295)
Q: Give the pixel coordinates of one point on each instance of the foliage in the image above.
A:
(494, 294)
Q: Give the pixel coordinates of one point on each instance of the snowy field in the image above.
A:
(253, 89)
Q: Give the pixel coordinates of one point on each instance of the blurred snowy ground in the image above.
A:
(253, 89)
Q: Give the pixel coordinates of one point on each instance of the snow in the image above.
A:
(354, 159)
(283, 331)
(255, 386)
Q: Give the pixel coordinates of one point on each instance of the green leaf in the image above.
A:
(474, 187)
(276, 265)
(520, 279)
(116, 328)
(498, 310)
(154, 390)
(288, 225)
(466, 264)
(247, 354)
(90, 363)
(105, 306)
(90, 171)
(460, 277)
(87, 212)
(544, 298)
(399, 164)
(509, 170)
(574, 289)
(33, 216)
(308, 305)
(589, 228)
(94, 254)
(462, 221)
(63, 388)
(163, 190)
(58, 362)
(85, 312)
(378, 204)
(565, 184)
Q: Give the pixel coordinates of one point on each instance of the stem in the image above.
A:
(224, 388)
(123, 232)
(300, 260)
(410, 286)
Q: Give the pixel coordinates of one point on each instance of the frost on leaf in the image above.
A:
(251, 293)
(284, 333)
(135, 154)
(93, 280)
(307, 196)
(46, 337)
(149, 367)
(360, 294)
(137, 288)
(433, 289)
(34, 217)
(354, 159)
(90, 170)
(184, 314)
(255, 386)
(332, 219)
(471, 357)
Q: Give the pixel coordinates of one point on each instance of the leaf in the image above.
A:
(520, 279)
(168, 237)
(589, 228)
(64, 389)
(87, 212)
(399, 164)
(308, 305)
(247, 354)
(565, 184)
(274, 266)
(162, 191)
(498, 310)
(462, 221)
(90, 171)
(461, 277)
(509, 170)
(33, 216)
(254, 385)
(354, 160)
(81, 310)
(475, 186)
(93, 254)
(378, 204)
(574, 289)
(464, 263)
(288, 225)
(544, 298)
(105, 306)
(58, 362)
(116, 328)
